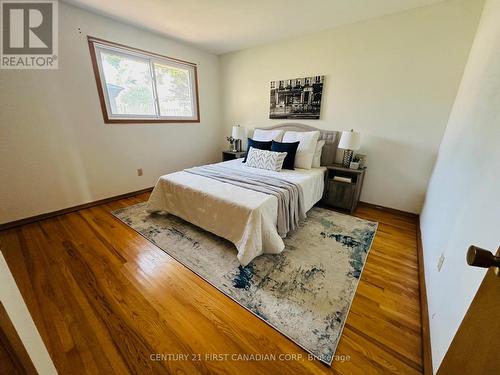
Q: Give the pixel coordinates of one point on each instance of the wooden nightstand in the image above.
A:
(340, 194)
(230, 155)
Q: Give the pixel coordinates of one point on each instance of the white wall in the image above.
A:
(462, 206)
(55, 150)
(393, 78)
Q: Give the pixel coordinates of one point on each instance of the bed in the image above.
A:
(245, 217)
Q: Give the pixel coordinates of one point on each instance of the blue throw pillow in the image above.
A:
(261, 145)
(290, 149)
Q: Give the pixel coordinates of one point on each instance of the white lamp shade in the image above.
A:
(350, 140)
(239, 132)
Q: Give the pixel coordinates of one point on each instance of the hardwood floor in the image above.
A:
(105, 300)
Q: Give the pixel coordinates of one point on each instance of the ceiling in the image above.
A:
(222, 26)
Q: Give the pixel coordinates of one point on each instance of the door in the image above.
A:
(340, 194)
(14, 358)
(475, 349)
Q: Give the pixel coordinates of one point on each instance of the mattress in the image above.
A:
(245, 217)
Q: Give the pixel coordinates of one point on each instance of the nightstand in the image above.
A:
(230, 155)
(343, 194)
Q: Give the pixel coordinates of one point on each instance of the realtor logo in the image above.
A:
(29, 34)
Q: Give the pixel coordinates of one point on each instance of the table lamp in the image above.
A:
(349, 141)
(238, 134)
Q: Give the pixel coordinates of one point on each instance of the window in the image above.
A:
(143, 87)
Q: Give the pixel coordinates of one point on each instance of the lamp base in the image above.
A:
(237, 145)
(346, 161)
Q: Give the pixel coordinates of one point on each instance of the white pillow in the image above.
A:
(307, 146)
(317, 154)
(267, 135)
(264, 159)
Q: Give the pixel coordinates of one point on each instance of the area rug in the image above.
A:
(305, 292)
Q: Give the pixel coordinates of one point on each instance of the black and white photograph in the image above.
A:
(298, 98)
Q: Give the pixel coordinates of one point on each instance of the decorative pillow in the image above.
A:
(317, 154)
(257, 144)
(268, 135)
(307, 146)
(264, 159)
(290, 149)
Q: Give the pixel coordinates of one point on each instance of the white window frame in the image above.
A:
(97, 46)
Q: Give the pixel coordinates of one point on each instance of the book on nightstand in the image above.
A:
(342, 179)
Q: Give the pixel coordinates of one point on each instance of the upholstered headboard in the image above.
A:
(332, 138)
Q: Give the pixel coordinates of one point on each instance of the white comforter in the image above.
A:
(246, 218)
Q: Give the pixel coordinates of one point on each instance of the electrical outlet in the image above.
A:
(440, 262)
(139, 172)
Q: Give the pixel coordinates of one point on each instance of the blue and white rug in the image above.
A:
(305, 292)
